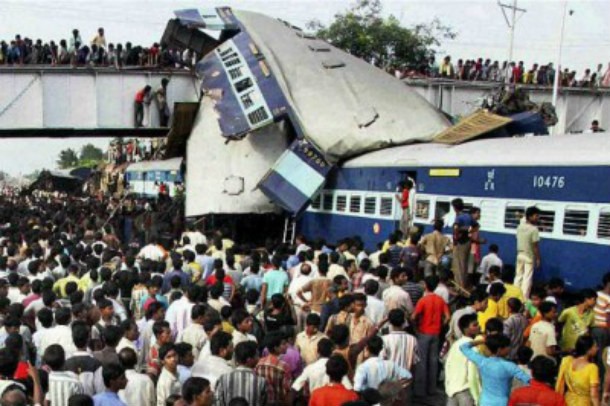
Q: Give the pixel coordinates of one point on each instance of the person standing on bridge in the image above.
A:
(528, 252)
(162, 105)
(142, 97)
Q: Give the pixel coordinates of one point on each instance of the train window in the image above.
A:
(316, 202)
(513, 216)
(547, 221)
(355, 202)
(327, 202)
(341, 202)
(370, 205)
(468, 207)
(385, 208)
(603, 226)
(575, 222)
(441, 210)
(422, 209)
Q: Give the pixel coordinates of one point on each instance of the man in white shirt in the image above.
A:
(489, 260)
(375, 309)
(375, 370)
(62, 384)
(218, 362)
(303, 277)
(60, 334)
(395, 296)
(461, 374)
(314, 374)
(140, 389)
(194, 334)
(243, 323)
(152, 251)
(398, 345)
(335, 269)
(178, 314)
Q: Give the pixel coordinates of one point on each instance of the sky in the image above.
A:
(480, 25)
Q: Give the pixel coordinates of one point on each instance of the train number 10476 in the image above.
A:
(549, 182)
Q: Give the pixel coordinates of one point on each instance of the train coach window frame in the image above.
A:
(370, 205)
(341, 204)
(355, 203)
(422, 209)
(546, 222)
(316, 202)
(442, 203)
(386, 206)
(603, 224)
(575, 221)
(511, 215)
(328, 202)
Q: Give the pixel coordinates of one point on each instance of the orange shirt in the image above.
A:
(333, 394)
(430, 310)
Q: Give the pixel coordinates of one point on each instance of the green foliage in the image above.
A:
(89, 156)
(363, 32)
(67, 159)
(90, 152)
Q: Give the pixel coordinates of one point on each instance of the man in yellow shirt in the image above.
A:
(496, 291)
(60, 286)
(512, 291)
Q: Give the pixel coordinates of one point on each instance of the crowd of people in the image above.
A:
(514, 72)
(99, 310)
(97, 52)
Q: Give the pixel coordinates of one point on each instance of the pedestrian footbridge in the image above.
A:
(76, 102)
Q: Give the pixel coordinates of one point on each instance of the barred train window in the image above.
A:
(575, 222)
(386, 206)
(546, 222)
(441, 210)
(370, 205)
(327, 202)
(422, 209)
(513, 216)
(316, 202)
(341, 202)
(603, 226)
(354, 204)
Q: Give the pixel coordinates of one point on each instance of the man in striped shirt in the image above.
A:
(601, 322)
(398, 344)
(243, 382)
(62, 384)
(275, 371)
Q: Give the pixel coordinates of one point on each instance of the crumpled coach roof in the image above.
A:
(344, 105)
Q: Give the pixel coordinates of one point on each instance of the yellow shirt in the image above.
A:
(489, 313)
(60, 286)
(578, 383)
(511, 291)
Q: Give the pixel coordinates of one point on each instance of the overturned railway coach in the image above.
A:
(566, 176)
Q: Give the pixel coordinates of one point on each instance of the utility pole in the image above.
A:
(511, 22)
(558, 62)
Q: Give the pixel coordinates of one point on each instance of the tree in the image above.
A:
(90, 152)
(67, 159)
(363, 32)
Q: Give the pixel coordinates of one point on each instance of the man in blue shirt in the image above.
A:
(177, 271)
(275, 281)
(114, 380)
(496, 372)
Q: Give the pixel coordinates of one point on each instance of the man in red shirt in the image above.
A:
(540, 390)
(430, 314)
(333, 394)
(142, 97)
(403, 198)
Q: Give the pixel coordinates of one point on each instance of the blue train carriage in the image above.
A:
(566, 176)
(145, 177)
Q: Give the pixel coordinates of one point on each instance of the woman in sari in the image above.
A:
(579, 377)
